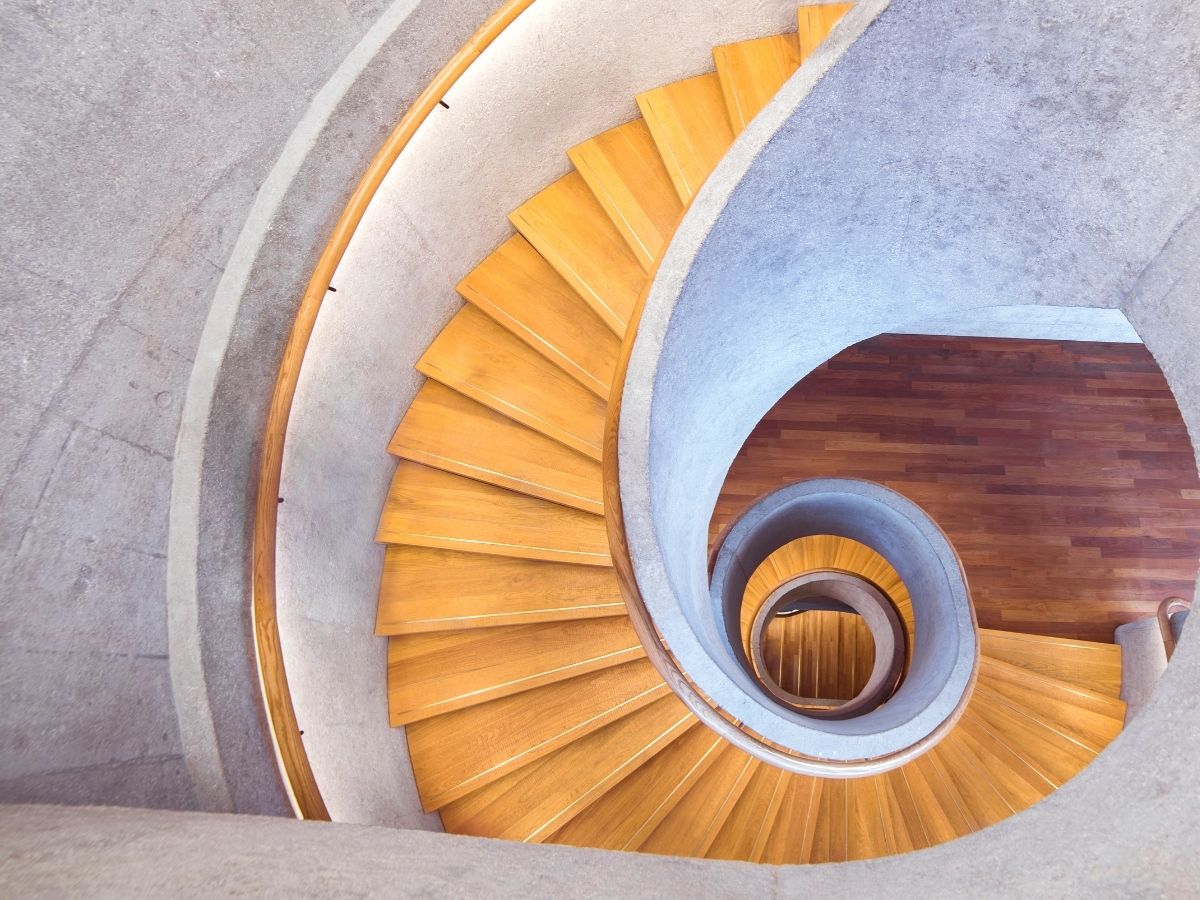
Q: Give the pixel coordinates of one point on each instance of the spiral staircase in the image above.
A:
(531, 710)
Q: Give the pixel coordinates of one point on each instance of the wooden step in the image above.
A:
(790, 841)
(830, 836)
(524, 294)
(936, 799)
(429, 590)
(449, 431)
(533, 802)
(866, 834)
(477, 357)
(902, 817)
(1086, 664)
(431, 674)
(1053, 754)
(744, 834)
(625, 173)
(1020, 783)
(463, 751)
(752, 72)
(1091, 718)
(691, 827)
(629, 812)
(815, 23)
(690, 128)
(430, 508)
(569, 227)
(981, 801)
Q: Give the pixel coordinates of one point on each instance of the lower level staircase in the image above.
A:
(530, 709)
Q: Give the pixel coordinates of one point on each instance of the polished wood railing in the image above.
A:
(1168, 609)
(285, 732)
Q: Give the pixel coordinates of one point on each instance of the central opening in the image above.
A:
(819, 654)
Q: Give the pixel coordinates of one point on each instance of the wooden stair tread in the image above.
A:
(1087, 664)
(982, 803)
(1016, 780)
(901, 813)
(866, 833)
(1053, 754)
(790, 841)
(431, 508)
(449, 431)
(524, 294)
(691, 827)
(533, 802)
(752, 72)
(744, 834)
(475, 356)
(830, 834)
(569, 227)
(427, 590)
(1089, 717)
(627, 176)
(460, 752)
(431, 674)
(628, 813)
(690, 128)
(814, 24)
(936, 799)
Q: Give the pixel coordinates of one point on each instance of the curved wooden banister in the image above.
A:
(1168, 608)
(285, 732)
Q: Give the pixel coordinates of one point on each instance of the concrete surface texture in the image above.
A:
(1143, 661)
(562, 72)
(985, 154)
(54, 852)
(135, 138)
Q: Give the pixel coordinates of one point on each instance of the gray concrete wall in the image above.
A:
(134, 139)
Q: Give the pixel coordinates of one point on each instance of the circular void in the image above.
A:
(945, 645)
(839, 594)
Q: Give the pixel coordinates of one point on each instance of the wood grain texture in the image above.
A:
(524, 294)
(814, 24)
(628, 813)
(1086, 664)
(427, 507)
(1060, 471)
(476, 357)
(627, 176)
(570, 228)
(790, 841)
(460, 752)
(690, 127)
(751, 72)
(533, 802)
(428, 589)
(439, 672)
(745, 833)
(450, 431)
(691, 827)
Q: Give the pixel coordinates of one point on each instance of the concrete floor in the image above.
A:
(133, 138)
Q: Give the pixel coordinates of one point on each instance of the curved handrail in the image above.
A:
(1168, 608)
(281, 715)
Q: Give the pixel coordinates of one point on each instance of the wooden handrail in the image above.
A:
(294, 766)
(1166, 609)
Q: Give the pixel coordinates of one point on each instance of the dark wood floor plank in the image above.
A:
(1061, 471)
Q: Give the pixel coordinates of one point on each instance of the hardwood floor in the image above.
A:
(1061, 471)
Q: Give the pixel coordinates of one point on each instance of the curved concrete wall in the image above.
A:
(565, 70)
(959, 156)
(135, 137)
